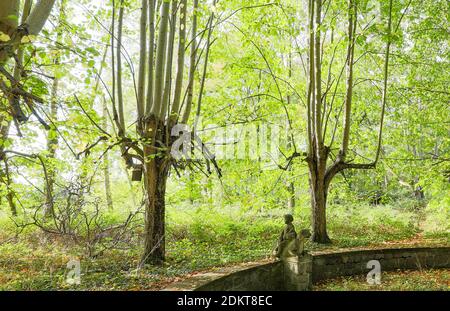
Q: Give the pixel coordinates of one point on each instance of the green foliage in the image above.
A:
(256, 76)
(423, 280)
(199, 237)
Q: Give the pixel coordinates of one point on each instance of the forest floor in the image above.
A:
(438, 279)
(33, 260)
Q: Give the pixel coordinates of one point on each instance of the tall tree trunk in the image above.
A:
(9, 192)
(109, 201)
(319, 190)
(52, 136)
(160, 111)
(318, 152)
(156, 171)
(4, 173)
(52, 145)
(191, 77)
(318, 205)
(108, 195)
(290, 186)
(10, 25)
(154, 247)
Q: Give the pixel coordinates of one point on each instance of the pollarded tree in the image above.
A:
(164, 99)
(321, 173)
(31, 25)
(12, 35)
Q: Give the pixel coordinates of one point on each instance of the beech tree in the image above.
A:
(164, 98)
(318, 156)
(31, 25)
(12, 35)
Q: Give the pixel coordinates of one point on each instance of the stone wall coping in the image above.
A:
(355, 251)
(193, 281)
(196, 280)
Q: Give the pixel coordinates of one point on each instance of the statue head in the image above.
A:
(288, 218)
(305, 233)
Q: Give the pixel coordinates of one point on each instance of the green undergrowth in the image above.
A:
(425, 280)
(198, 238)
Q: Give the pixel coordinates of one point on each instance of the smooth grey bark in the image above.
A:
(52, 135)
(52, 145)
(193, 57)
(349, 80)
(170, 48)
(106, 164)
(160, 60)
(142, 61)
(319, 174)
(175, 110)
(290, 185)
(31, 26)
(120, 111)
(38, 16)
(385, 81)
(151, 57)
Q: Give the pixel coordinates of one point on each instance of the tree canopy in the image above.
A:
(116, 115)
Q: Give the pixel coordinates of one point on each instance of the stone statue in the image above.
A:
(287, 235)
(289, 243)
(300, 242)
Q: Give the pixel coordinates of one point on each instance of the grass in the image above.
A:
(425, 280)
(197, 239)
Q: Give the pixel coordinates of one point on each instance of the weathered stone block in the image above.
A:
(298, 274)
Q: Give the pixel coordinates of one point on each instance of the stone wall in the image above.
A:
(326, 266)
(291, 274)
(297, 273)
(260, 278)
(300, 273)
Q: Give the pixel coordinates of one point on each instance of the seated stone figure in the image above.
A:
(299, 247)
(287, 235)
(290, 244)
